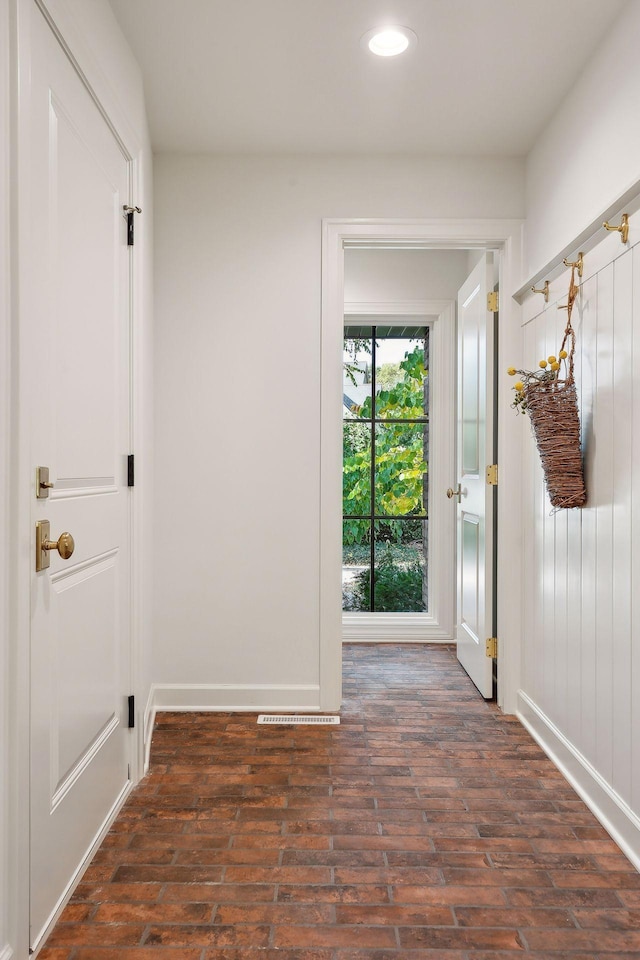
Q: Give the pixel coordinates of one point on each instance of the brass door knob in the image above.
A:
(451, 493)
(64, 545)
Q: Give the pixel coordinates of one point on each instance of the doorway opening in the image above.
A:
(387, 461)
(398, 411)
(474, 239)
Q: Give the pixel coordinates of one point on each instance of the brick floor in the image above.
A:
(427, 825)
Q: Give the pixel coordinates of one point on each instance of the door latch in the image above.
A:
(451, 493)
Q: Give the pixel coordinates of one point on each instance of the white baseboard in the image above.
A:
(6, 953)
(356, 636)
(230, 697)
(392, 628)
(614, 814)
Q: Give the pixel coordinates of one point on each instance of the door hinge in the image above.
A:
(129, 212)
(492, 475)
(492, 647)
(132, 711)
(493, 301)
(130, 471)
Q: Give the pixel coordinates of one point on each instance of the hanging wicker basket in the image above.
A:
(552, 405)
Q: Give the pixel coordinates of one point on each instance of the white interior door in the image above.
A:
(75, 292)
(474, 520)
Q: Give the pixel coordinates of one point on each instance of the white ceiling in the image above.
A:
(290, 76)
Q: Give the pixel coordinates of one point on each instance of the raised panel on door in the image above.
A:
(77, 291)
(469, 387)
(470, 542)
(84, 613)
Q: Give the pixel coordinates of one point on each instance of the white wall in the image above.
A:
(238, 245)
(93, 37)
(388, 276)
(588, 155)
(581, 657)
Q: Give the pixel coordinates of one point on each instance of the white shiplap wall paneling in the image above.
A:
(603, 505)
(582, 571)
(587, 560)
(581, 657)
(532, 540)
(574, 578)
(622, 397)
(546, 343)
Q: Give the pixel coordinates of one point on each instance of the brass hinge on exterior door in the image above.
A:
(492, 647)
(492, 475)
(493, 301)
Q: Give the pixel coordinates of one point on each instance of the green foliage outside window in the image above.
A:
(400, 464)
(399, 586)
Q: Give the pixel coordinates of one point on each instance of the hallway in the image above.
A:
(427, 825)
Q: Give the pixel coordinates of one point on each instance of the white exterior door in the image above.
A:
(474, 521)
(75, 298)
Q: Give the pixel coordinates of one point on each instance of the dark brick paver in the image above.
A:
(427, 825)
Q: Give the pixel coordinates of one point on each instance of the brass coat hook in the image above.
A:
(578, 264)
(622, 228)
(543, 290)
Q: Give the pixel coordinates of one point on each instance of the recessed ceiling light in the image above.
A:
(389, 41)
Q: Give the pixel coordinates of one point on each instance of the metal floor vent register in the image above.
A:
(300, 718)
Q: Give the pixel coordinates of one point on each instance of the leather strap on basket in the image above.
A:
(569, 333)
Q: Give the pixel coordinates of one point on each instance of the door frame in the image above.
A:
(503, 236)
(76, 46)
(7, 890)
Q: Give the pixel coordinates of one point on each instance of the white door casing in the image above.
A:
(75, 289)
(474, 504)
(505, 237)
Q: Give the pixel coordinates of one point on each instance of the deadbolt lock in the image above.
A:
(64, 545)
(43, 484)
